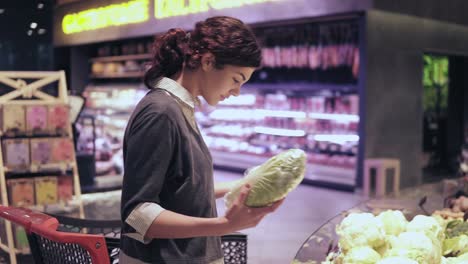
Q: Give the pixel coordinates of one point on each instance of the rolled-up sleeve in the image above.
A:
(141, 219)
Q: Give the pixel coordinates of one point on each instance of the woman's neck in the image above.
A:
(188, 80)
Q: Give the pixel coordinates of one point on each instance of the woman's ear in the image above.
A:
(207, 61)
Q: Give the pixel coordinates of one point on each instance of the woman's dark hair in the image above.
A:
(229, 40)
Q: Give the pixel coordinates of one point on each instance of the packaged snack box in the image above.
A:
(36, 119)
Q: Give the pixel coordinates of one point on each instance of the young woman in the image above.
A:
(168, 196)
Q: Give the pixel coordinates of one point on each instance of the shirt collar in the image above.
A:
(177, 90)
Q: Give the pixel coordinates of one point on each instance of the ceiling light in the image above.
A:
(33, 25)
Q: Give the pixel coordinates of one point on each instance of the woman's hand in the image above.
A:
(240, 216)
(173, 225)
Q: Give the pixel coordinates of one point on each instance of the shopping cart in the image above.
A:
(55, 239)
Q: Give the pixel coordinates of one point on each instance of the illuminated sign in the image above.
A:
(135, 11)
(170, 8)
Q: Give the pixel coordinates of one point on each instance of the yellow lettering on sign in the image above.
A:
(171, 8)
(131, 12)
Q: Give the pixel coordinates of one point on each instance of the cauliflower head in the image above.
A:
(394, 222)
(428, 225)
(360, 229)
(361, 255)
(397, 260)
(416, 246)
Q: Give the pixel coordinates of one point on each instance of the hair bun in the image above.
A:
(170, 51)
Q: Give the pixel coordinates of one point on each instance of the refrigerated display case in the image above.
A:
(245, 131)
(304, 96)
(111, 106)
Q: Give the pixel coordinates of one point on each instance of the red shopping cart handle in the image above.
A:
(46, 226)
(26, 218)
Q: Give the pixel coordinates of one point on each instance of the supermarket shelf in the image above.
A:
(39, 170)
(302, 87)
(279, 131)
(280, 113)
(236, 160)
(227, 135)
(117, 75)
(29, 136)
(122, 58)
(338, 178)
(336, 138)
(258, 114)
(336, 117)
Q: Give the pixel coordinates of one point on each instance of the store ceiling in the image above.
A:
(64, 2)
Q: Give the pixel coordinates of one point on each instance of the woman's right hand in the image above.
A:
(240, 216)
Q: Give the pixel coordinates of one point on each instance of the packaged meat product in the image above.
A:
(312, 158)
(36, 119)
(16, 153)
(356, 63)
(13, 119)
(21, 192)
(340, 161)
(303, 60)
(323, 159)
(341, 105)
(318, 104)
(329, 105)
(314, 56)
(46, 190)
(351, 162)
(334, 55)
(354, 104)
(62, 150)
(58, 119)
(265, 57)
(41, 151)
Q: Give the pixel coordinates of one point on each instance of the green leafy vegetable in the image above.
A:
(272, 180)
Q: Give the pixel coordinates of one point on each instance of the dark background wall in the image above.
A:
(18, 49)
(458, 89)
(393, 111)
(454, 11)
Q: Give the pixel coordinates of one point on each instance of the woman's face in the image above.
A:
(219, 84)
